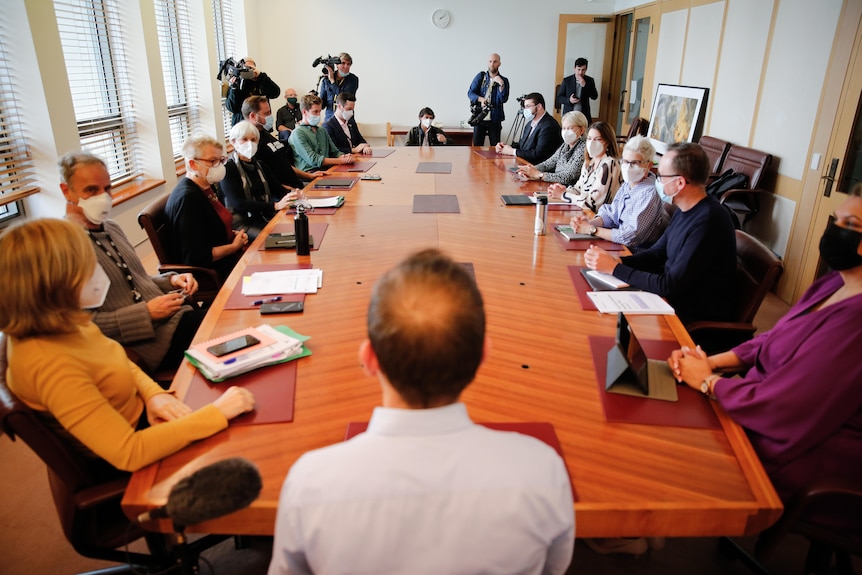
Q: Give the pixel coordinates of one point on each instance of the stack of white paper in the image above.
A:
(282, 348)
(282, 282)
(630, 302)
(331, 202)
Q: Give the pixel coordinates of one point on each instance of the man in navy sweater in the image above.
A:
(693, 264)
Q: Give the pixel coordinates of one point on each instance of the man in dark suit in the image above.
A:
(542, 134)
(577, 90)
(342, 127)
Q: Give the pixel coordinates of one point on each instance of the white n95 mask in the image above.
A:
(95, 291)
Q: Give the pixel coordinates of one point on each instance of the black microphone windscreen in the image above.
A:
(215, 490)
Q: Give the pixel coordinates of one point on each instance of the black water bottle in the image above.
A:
(300, 224)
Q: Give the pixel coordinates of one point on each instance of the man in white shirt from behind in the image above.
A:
(425, 490)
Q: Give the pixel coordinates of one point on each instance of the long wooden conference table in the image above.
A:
(630, 479)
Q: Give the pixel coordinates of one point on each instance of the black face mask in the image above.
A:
(839, 247)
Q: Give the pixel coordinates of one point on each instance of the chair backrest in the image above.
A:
(154, 221)
(716, 150)
(757, 270)
(753, 163)
(638, 128)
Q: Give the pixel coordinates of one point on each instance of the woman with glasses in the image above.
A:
(636, 217)
(252, 193)
(600, 176)
(565, 165)
(201, 226)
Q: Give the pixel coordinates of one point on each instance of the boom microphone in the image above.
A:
(212, 491)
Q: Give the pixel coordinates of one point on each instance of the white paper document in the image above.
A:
(630, 302)
(282, 282)
(332, 202)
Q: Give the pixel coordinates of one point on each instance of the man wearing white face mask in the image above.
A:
(542, 134)
(312, 147)
(251, 191)
(426, 134)
(144, 313)
(276, 155)
(636, 217)
(342, 127)
(693, 265)
(336, 81)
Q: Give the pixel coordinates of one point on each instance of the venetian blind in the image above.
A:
(174, 30)
(16, 164)
(91, 34)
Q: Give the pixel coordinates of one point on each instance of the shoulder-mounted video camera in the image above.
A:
(328, 61)
(238, 70)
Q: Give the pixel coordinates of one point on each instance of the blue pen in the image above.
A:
(270, 300)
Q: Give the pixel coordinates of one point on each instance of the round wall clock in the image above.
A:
(441, 18)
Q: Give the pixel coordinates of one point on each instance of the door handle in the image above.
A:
(623, 101)
(830, 177)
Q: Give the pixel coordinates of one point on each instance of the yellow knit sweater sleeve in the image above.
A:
(88, 384)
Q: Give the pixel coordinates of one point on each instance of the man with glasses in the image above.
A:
(147, 314)
(636, 217)
(489, 89)
(693, 264)
(277, 155)
(542, 134)
(336, 81)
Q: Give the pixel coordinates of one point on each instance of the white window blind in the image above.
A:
(174, 30)
(225, 46)
(16, 165)
(91, 34)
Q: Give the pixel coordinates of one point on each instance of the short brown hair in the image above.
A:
(689, 161)
(308, 101)
(45, 264)
(252, 104)
(426, 324)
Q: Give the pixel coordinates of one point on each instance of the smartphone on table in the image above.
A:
(233, 345)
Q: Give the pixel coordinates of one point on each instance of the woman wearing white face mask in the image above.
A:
(564, 166)
(600, 176)
(636, 217)
(202, 228)
(79, 381)
(252, 193)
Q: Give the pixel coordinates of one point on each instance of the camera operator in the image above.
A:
(490, 89)
(337, 79)
(240, 89)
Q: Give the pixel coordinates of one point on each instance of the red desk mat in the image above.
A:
(315, 229)
(436, 204)
(692, 409)
(581, 288)
(542, 431)
(354, 167)
(584, 245)
(273, 388)
(490, 154)
(239, 301)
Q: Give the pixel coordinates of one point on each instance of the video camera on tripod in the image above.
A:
(238, 70)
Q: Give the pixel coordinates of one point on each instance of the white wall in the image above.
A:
(403, 61)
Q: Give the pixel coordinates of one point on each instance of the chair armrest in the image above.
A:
(741, 192)
(93, 496)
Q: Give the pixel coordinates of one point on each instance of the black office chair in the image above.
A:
(825, 543)
(757, 271)
(87, 492)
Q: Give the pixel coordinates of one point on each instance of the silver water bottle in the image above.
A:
(540, 227)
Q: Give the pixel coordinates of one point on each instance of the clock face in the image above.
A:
(441, 18)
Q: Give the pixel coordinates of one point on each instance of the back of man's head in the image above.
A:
(426, 324)
(690, 161)
(252, 105)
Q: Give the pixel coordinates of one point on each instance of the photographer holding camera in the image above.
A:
(338, 79)
(246, 80)
(488, 91)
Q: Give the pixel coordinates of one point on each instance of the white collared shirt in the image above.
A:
(426, 491)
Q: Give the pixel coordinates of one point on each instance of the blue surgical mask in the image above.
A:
(659, 187)
(313, 120)
(268, 125)
(528, 114)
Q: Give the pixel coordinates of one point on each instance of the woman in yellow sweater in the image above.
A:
(61, 364)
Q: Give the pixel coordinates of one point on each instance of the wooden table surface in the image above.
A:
(631, 480)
